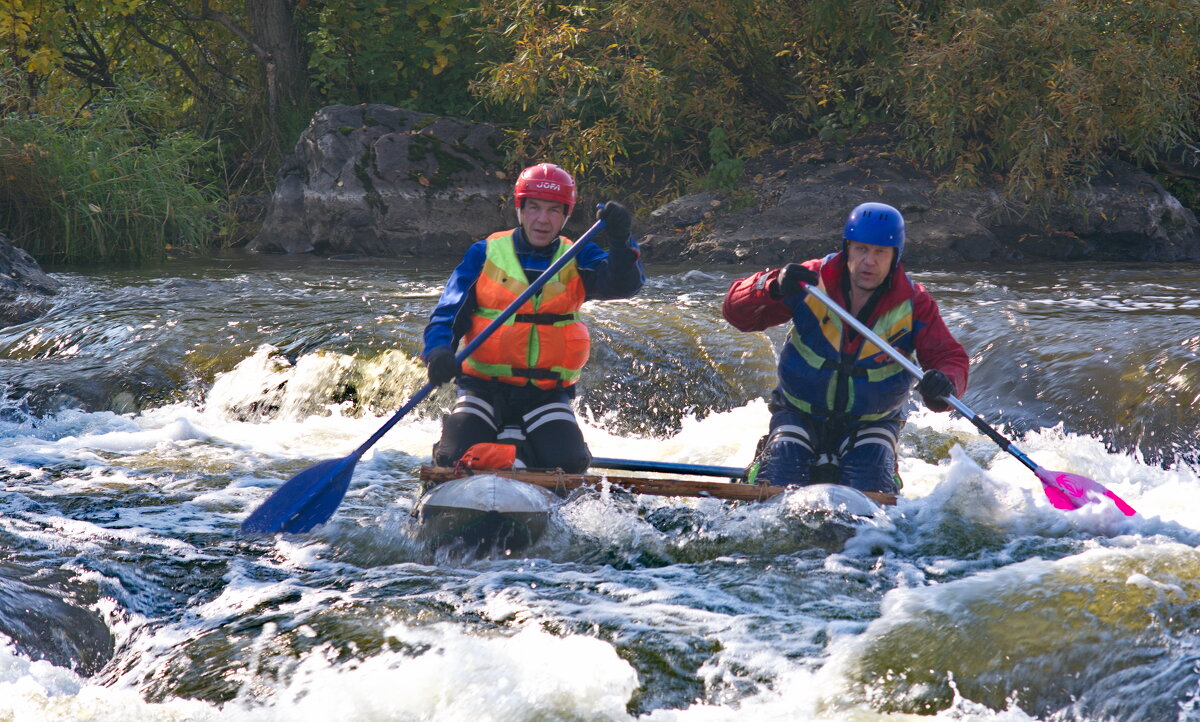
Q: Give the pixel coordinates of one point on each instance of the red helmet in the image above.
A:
(546, 182)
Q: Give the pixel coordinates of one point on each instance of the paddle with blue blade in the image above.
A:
(1063, 489)
(310, 497)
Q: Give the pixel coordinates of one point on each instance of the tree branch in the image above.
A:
(221, 18)
(174, 55)
(1182, 161)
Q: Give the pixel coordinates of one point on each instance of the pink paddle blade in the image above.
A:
(1071, 491)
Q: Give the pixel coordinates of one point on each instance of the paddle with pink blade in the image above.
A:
(1063, 489)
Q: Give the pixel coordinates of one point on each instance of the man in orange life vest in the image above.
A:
(837, 410)
(524, 374)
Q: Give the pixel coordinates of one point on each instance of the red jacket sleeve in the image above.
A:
(749, 306)
(936, 347)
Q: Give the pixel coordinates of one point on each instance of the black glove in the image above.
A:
(790, 278)
(935, 385)
(442, 366)
(618, 223)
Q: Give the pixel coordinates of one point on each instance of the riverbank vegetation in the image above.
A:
(149, 110)
(102, 187)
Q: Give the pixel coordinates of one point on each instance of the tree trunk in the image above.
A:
(274, 41)
(282, 58)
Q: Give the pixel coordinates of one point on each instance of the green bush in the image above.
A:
(611, 89)
(1042, 91)
(726, 169)
(641, 97)
(417, 54)
(101, 188)
(1034, 94)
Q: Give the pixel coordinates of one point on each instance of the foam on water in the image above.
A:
(713, 600)
(531, 675)
(726, 438)
(1060, 618)
(40, 692)
(460, 676)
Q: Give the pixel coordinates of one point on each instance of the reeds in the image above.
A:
(101, 188)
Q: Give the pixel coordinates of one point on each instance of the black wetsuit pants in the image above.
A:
(490, 412)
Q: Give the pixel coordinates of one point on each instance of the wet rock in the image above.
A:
(24, 286)
(384, 181)
(39, 612)
(690, 209)
(801, 195)
(376, 180)
(40, 387)
(19, 273)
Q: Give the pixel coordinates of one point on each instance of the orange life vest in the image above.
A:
(544, 343)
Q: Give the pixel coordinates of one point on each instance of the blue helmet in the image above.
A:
(877, 224)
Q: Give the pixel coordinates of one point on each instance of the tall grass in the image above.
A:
(101, 187)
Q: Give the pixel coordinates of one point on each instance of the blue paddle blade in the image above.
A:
(306, 500)
(310, 497)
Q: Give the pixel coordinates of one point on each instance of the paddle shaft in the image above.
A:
(915, 370)
(488, 330)
(311, 497)
(728, 472)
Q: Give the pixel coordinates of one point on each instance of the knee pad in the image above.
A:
(548, 414)
(869, 460)
(553, 438)
(474, 407)
(787, 457)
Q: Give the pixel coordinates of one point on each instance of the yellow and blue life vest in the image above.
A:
(818, 378)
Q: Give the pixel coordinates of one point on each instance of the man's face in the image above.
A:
(542, 220)
(868, 264)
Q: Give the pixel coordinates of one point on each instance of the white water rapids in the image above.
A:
(127, 593)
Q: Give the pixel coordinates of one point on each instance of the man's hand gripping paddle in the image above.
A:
(310, 497)
(1063, 489)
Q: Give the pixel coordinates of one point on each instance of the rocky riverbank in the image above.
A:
(793, 202)
(383, 181)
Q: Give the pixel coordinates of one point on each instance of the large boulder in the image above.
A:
(796, 199)
(384, 181)
(24, 286)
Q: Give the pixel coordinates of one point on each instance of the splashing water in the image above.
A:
(972, 599)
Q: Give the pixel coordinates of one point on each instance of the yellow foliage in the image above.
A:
(15, 23)
(43, 60)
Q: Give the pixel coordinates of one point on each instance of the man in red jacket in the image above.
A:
(837, 411)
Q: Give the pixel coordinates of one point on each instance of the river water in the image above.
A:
(184, 395)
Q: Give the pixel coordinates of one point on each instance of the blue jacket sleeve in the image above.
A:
(617, 273)
(458, 297)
